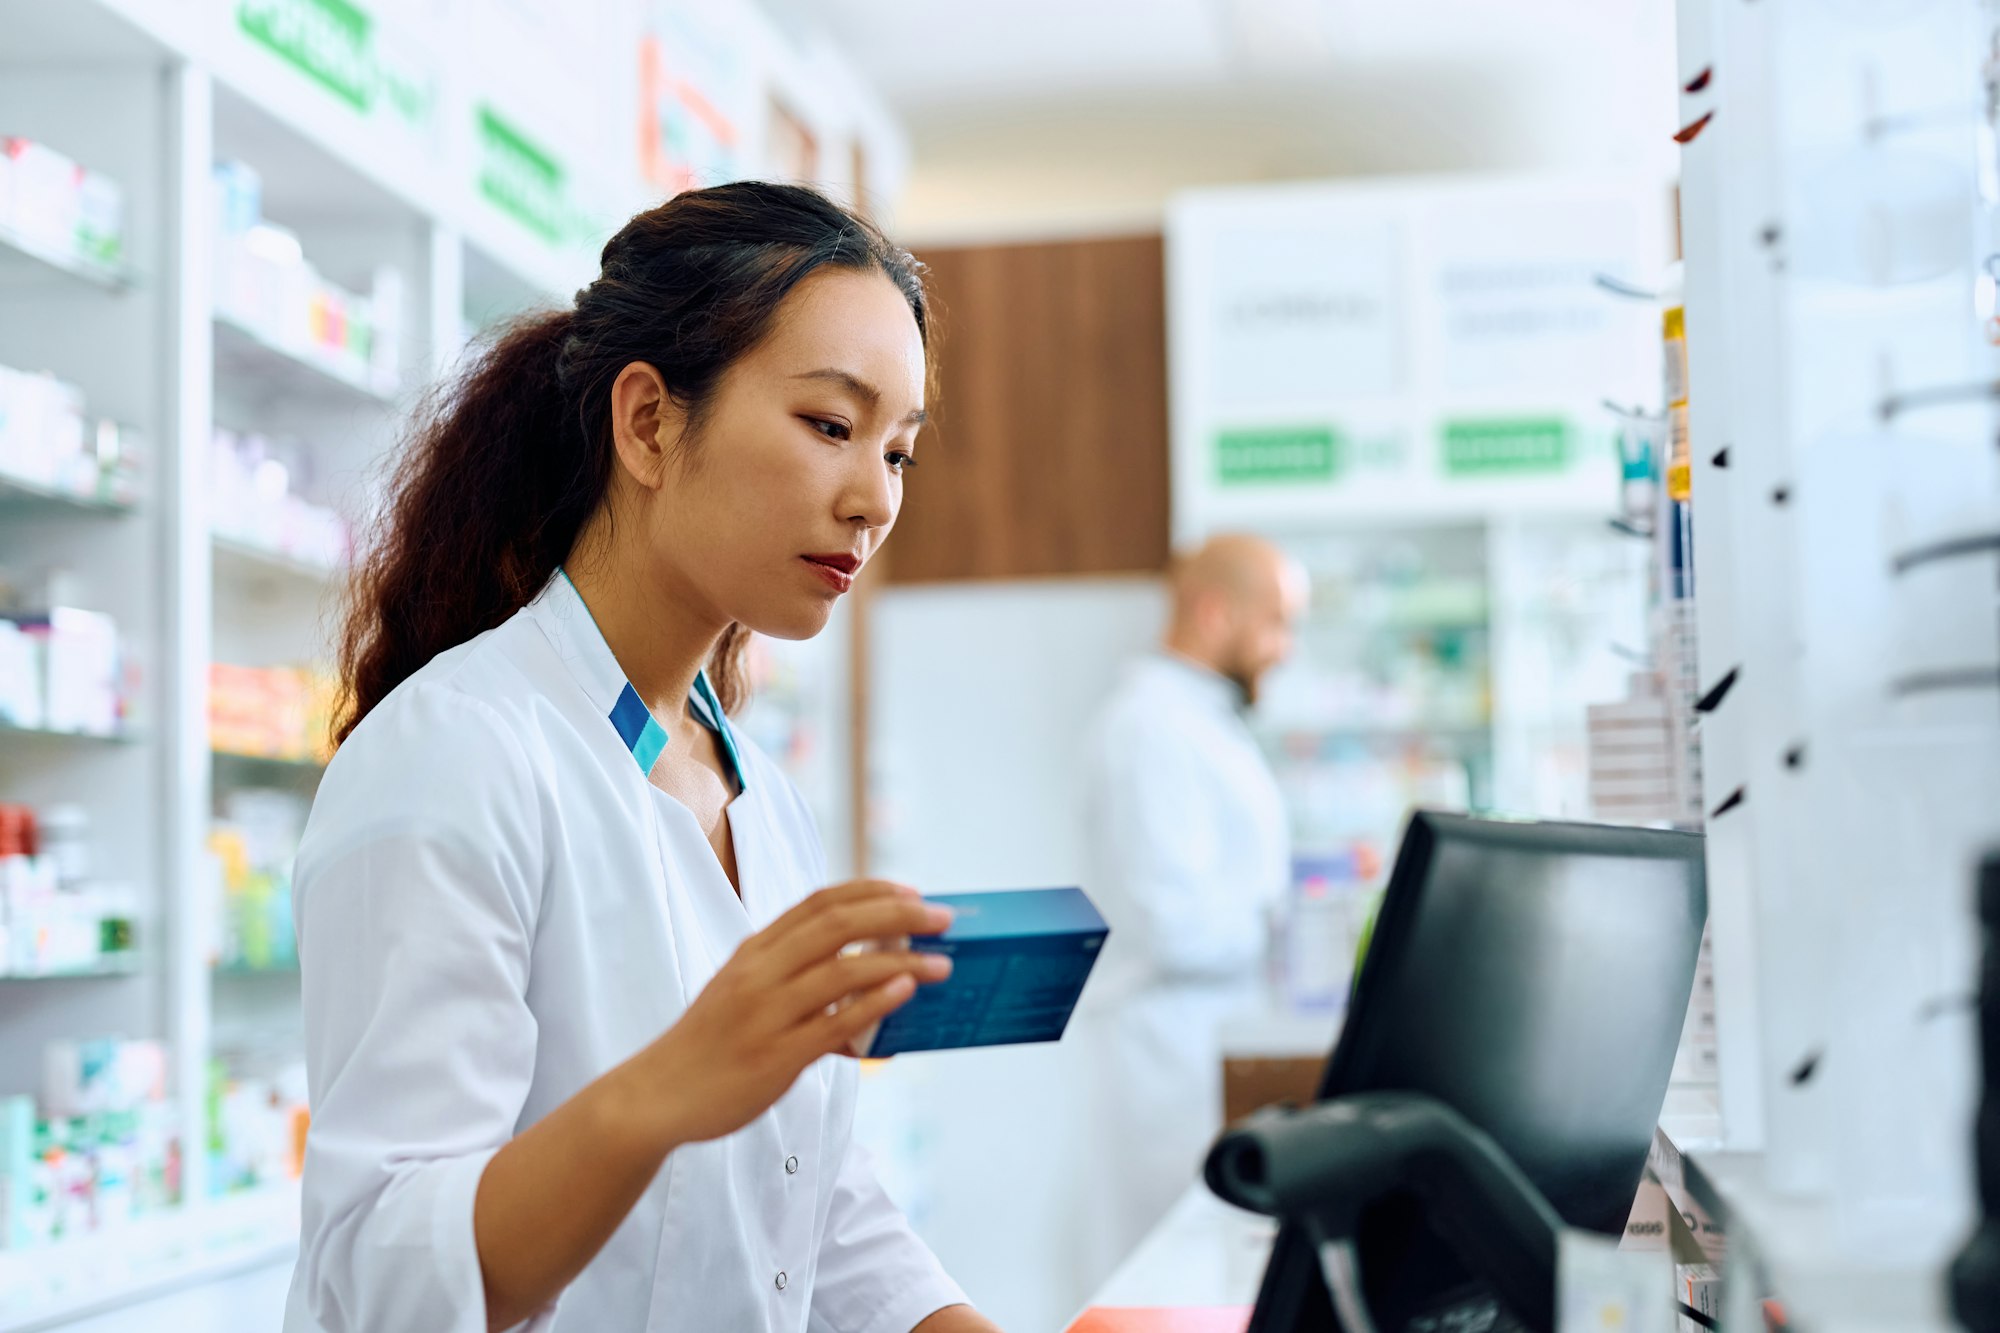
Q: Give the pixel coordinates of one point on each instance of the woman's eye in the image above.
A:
(898, 460)
(833, 430)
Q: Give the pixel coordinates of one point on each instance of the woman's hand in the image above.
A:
(777, 1006)
(769, 1013)
(957, 1319)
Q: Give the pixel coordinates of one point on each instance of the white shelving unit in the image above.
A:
(1840, 205)
(334, 419)
(100, 92)
(153, 94)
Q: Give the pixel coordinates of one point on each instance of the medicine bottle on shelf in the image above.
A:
(1673, 342)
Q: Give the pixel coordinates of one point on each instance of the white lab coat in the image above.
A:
(494, 908)
(1189, 860)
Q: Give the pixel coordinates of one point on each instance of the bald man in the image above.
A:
(1189, 859)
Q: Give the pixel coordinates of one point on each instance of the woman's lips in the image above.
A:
(837, 571)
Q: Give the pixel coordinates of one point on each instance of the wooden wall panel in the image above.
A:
(1049, 454)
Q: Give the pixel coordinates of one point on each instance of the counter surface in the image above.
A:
(1202, 1253)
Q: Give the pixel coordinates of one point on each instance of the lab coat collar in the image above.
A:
(1200, 682)
(565, 619)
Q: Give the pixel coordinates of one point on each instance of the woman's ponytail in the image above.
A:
(503, 466)
(495, 483)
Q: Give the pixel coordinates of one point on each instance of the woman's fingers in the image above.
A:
(834, 1033)
(802, 938)
(853, 891)
(834, 979)
(817, 906)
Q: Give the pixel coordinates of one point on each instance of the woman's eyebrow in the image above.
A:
(848, 380)
(861, 389)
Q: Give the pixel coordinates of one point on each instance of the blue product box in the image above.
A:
(1019, 961)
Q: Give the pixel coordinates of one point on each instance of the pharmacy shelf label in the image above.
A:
(522, 179)
(330, 41)
(1284, 456)
(1512, 445)
(339, 46)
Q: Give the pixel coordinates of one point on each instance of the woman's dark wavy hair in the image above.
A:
(504, 464)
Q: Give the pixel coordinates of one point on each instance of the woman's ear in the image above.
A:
(646, 424)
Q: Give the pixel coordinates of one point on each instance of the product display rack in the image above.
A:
(110, 339)
(1839, 212)
(329, 417)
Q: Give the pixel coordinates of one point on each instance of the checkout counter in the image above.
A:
(1202, 1262)
(1199, 1269)
(1203, 1256)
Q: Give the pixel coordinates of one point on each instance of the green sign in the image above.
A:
(1282, 456)
(520, 178)
(329, 40)
(337, 45)
(1506, 446)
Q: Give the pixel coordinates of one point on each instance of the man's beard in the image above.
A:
(1246, 682)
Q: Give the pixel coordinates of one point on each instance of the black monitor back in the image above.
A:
(1534, 977)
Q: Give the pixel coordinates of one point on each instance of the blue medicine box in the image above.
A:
(1019, 961)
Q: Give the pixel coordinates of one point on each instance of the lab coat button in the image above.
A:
(783, 1282)
(791, 1166)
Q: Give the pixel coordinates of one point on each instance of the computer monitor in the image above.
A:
(1535, 978)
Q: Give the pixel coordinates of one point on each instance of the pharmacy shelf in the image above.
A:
(236, 558)
(30, 261)
(118, 965)
(277, 764)
(1280, 728)
(248, 355)
(8, 729)
(47, 1287)
(247, 972)
(20, 495)
(1343, 627)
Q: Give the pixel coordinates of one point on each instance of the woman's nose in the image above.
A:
(870, 498)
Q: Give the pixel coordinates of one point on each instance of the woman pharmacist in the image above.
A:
(572, 1008)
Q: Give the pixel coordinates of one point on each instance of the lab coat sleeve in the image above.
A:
(416, 900)
(1169, 879)
(874, 1276)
